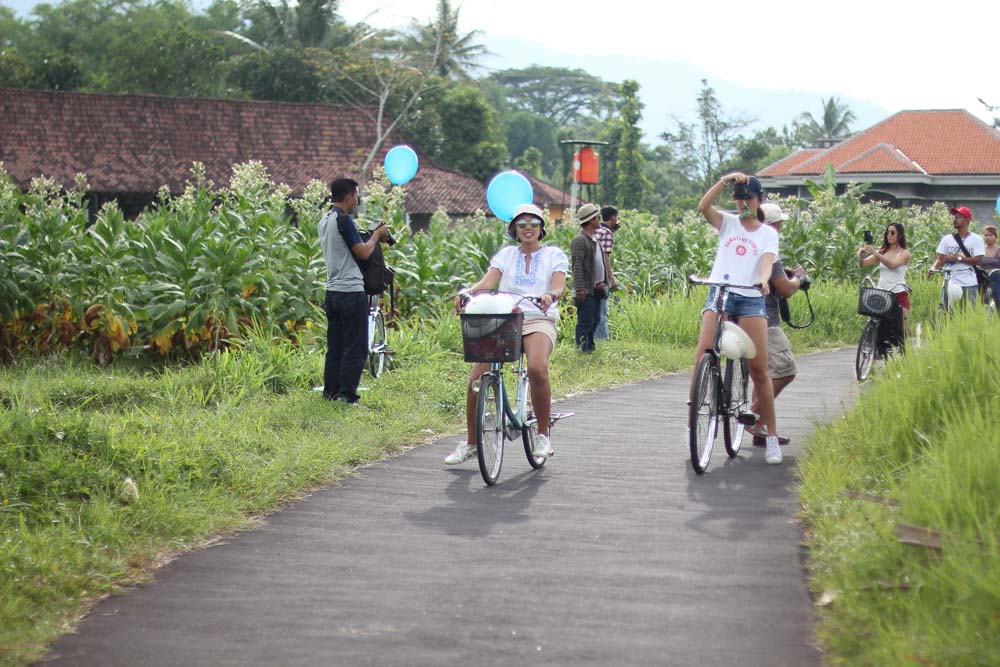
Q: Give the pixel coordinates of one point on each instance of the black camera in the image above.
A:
(389, 240)
(804, 284)
(741, 191)
(868, 237)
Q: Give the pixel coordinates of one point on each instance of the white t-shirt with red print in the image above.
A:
(737, 259)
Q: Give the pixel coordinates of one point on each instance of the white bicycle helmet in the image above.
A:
(735, 343)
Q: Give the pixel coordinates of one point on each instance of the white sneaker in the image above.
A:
(543, 447)
(462, 453)
(773, 453)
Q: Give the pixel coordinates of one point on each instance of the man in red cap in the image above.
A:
(962, 252)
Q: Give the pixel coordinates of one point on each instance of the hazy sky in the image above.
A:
(878, 56)
(895, 55)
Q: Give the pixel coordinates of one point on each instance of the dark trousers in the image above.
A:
(588, 312)
(995, 286)
(346, 343)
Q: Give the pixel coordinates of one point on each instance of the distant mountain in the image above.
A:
(670, 88)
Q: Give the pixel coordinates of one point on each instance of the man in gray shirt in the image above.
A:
(346, 304)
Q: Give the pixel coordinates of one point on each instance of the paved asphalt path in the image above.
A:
(616, 553)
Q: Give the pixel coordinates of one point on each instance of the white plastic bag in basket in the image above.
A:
(490, 304)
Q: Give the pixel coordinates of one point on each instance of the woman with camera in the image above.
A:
(529, 269)
(746, 252)
(892, 259)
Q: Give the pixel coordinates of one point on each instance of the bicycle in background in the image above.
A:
(377, 348)
(951, 294)
(883, 312)
(496, 339)
(715, 399)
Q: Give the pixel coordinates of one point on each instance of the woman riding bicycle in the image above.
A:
(529, 269)
(893, 259)
(747, 249)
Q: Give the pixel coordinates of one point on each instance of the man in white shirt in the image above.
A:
(962, 252)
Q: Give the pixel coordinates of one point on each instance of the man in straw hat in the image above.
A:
(589, 280)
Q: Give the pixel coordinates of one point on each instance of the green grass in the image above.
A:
(923, 434)
(213, 444)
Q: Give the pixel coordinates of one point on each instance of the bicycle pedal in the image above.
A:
(747, 419)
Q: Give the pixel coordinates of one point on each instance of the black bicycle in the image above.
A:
(714, 399)
(884, 327)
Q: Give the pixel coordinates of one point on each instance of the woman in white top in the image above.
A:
(746, 251)
(893, 259)
(528, 269)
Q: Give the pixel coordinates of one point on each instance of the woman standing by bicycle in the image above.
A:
(991, 261)
(892, 259)
(747, 249)
(528, 269)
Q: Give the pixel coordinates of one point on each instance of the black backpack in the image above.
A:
(377, 275)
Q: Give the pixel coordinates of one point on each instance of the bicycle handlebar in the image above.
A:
(466, 295)
(694, 280)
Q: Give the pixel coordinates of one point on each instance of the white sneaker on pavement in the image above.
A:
(543, 447)
(462, 453)
(773, 452)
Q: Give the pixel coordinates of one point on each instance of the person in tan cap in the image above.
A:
(589, 280)
(780, 361)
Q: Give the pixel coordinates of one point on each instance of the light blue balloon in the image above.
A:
(506, 192)
(401, 164)
(998, 205)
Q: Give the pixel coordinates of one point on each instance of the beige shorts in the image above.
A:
(780, 362)
(540, 325)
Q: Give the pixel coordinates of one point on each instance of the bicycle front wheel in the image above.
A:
(737, 400)
(703, 418)
(376, 350)
(489, 428)
(866, 351)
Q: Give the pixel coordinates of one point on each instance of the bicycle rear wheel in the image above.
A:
(737, 398)
(489, 428)
(866, 350)
(376, 348)
(703, 418)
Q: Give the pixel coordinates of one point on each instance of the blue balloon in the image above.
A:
(506, 192)
(401, 164)
(998, 205)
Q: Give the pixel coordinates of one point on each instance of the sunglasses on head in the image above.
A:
(521, 224)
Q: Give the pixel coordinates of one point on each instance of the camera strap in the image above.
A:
(786, 313)
(980, 276)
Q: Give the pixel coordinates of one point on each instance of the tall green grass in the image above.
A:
(923, 434)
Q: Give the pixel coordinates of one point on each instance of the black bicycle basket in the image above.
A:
(488, 338)
(874, 302)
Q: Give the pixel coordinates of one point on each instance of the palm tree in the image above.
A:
(456, 54)
(836, 123)
(306, 23)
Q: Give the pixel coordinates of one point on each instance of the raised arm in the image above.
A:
(707, 203)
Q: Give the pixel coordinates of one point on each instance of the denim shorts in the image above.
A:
(737, 305)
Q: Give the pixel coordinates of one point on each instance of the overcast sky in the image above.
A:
(878, 56)
(894, 55)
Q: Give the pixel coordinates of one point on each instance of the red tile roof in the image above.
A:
(548, 195)
(137, 143)
(935, 142)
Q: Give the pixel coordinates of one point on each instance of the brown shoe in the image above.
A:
(761, 441)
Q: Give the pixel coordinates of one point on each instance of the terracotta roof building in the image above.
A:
(131, 145)
(910, 158)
